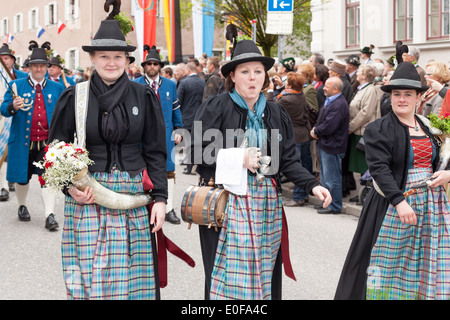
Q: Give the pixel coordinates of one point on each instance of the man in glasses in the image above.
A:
(166, 91)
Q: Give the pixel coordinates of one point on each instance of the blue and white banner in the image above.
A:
(203, 25)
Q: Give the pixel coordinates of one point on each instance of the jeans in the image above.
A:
(331, 177)
(305, 159)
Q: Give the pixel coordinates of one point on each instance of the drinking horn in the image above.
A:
(106, 197)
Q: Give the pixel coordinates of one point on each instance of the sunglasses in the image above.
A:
(152, 64)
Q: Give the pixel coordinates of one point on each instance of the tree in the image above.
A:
(244, 11)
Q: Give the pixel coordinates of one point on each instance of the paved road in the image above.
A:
(30, 259)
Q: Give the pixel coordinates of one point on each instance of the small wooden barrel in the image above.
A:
(204, 205)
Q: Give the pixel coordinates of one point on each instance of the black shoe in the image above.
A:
(327, 211)
(188, 170)
(4, 194)
(11, 187)
(354, 199)
(23, 213)
(172, 217)
(318, 206)
(50, 222)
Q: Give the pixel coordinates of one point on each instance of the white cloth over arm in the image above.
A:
(230, 171)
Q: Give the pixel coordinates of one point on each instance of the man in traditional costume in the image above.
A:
(9, 74)
(56, 72)
(30, 102)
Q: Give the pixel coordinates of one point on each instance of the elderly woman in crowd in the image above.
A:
(293, 100)
(308, 72)
(241, 259)
(431, 100)
(364, 109)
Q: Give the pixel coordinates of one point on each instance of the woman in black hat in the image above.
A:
(108, 254)
(240, 259)
(401, 247)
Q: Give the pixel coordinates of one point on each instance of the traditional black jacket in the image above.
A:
(220, 112)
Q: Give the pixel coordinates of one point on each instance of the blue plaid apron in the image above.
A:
(248, 244)
(413, 262)
(107, 254)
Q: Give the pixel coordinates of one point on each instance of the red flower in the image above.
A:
(41, 180)
(48, 165)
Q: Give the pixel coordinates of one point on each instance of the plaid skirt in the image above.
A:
(413, 262)
(248, 244)
(107, 254)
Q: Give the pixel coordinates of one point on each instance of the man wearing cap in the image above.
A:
(366, 54)
(55, 72)
(337, 69)
(9, 60)
(31, 112)
(287, 65)
(353, 64)
(166, 91)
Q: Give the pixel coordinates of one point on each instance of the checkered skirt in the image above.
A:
(248, 244)
(413, 262)
(107, 254)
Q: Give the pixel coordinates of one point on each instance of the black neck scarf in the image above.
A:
(115, 122)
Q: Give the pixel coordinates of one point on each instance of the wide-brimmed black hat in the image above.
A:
(405, 77)
(368, 50)
(152, 55)
(246, 51)
(109, 37)
(5, 50)
(38, 54)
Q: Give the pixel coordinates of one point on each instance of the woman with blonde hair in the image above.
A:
(431, 100)
(308, 72)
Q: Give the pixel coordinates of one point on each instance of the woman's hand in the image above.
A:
(251, 159)
(82, 197)
(435, 85)
(406, 213)
(158, 215)
(277, 81)
(323, 194)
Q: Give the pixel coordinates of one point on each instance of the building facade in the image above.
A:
(343, 27)
(20, 23)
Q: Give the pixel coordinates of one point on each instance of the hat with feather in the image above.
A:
(243, 51)
(152, 55)
(109, 36)
(38, 54)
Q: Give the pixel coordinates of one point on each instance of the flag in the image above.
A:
(203, 25)
(61, 26)
(144, 12)
(40, 31)
(9, 38)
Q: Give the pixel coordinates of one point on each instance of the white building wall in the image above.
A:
(376, 27)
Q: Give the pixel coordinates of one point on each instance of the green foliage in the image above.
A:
(126, 24)
(440, 122)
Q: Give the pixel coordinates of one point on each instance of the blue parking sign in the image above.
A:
(280, 5)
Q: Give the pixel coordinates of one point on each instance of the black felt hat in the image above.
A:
(353, 60)
(152, 55)
(405, 77)
(55, 62)
(109, 37)
(38, 54)
(5, 50)
(246, 51)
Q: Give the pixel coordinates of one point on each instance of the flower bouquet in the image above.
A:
(442, 123)
(62, 162)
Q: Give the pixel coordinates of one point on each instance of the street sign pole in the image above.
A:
(254, 21)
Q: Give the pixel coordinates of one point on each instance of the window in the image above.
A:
(18, 23)
(438, 19)
(403, 24)
(352, 23)
(33, 18)
(72, 58)
(51, 14)
(4, 30)
(72, 10)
